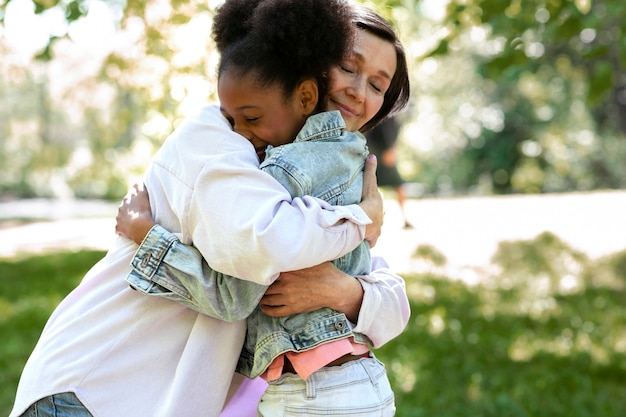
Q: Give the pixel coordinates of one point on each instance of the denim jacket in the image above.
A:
(324, 162)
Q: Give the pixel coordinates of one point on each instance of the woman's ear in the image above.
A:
(308, 95)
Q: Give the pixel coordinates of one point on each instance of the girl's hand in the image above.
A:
(134, 216)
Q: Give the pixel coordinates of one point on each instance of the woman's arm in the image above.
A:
(166, 267)
(312, 288)
(377, 303)
(244, 230)
(134, 215)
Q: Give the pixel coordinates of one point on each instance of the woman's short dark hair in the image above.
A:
(398, 94)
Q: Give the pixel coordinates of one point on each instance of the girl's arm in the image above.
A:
(376, 303)
(163, 266)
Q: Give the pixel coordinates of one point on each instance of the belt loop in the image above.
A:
(310, 387)
(370, 371)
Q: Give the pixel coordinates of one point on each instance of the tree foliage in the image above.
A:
(548, 66)
(533, 34)
(509, 96)
(107, 100)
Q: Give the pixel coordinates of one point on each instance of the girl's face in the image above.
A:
(262, 115)
(357, 87)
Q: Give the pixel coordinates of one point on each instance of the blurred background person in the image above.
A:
(382, 142)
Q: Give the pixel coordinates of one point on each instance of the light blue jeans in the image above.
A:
(356, 388)
(58, 405)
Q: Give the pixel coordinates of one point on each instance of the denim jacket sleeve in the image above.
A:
(163, 266)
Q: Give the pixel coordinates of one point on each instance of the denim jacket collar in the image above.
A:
(322, 125)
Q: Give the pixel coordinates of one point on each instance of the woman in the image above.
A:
(108, 350)
(373, 56)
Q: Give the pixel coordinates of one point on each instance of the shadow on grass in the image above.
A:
(543, 336)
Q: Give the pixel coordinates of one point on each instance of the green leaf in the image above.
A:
(441, 49)
(600, 82)
(583, 6)
(73, 11)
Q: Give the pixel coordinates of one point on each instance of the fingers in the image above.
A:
(136, 189)
(141, 188)
(372, 241)
(371, 163)
(276, 311)
(271, 305)
(134, 216)
(137, 199)
(370, 185)
(120, 221)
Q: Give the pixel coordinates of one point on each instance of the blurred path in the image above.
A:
(39, 225)
(466, 230)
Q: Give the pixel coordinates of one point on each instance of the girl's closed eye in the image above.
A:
(231, 122)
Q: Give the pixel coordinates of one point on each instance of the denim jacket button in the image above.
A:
(146, 260)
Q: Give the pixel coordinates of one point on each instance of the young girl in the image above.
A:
(110, 351)
(311, 354)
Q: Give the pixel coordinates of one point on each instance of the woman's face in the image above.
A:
(357, 87)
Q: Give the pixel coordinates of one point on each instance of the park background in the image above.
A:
(513, 145)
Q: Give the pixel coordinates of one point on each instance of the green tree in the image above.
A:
(89, 133)
(509, 96)
(554, 68)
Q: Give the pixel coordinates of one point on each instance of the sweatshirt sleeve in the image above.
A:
(205, 184)
(385, 309)
(246, 224)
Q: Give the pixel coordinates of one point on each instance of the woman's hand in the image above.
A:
(372, 201)
(134, 216)
(312, 288)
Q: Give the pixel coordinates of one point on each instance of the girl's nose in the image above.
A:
(243, 132)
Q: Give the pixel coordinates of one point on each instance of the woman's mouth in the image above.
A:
(345, 110)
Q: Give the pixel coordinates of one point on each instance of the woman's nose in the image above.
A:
(357, 89)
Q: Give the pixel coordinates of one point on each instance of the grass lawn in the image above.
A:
(30, 288)
(544, 336)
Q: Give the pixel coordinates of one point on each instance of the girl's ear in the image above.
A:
(308, 95)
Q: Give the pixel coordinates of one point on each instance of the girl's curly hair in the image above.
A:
(282, 42)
